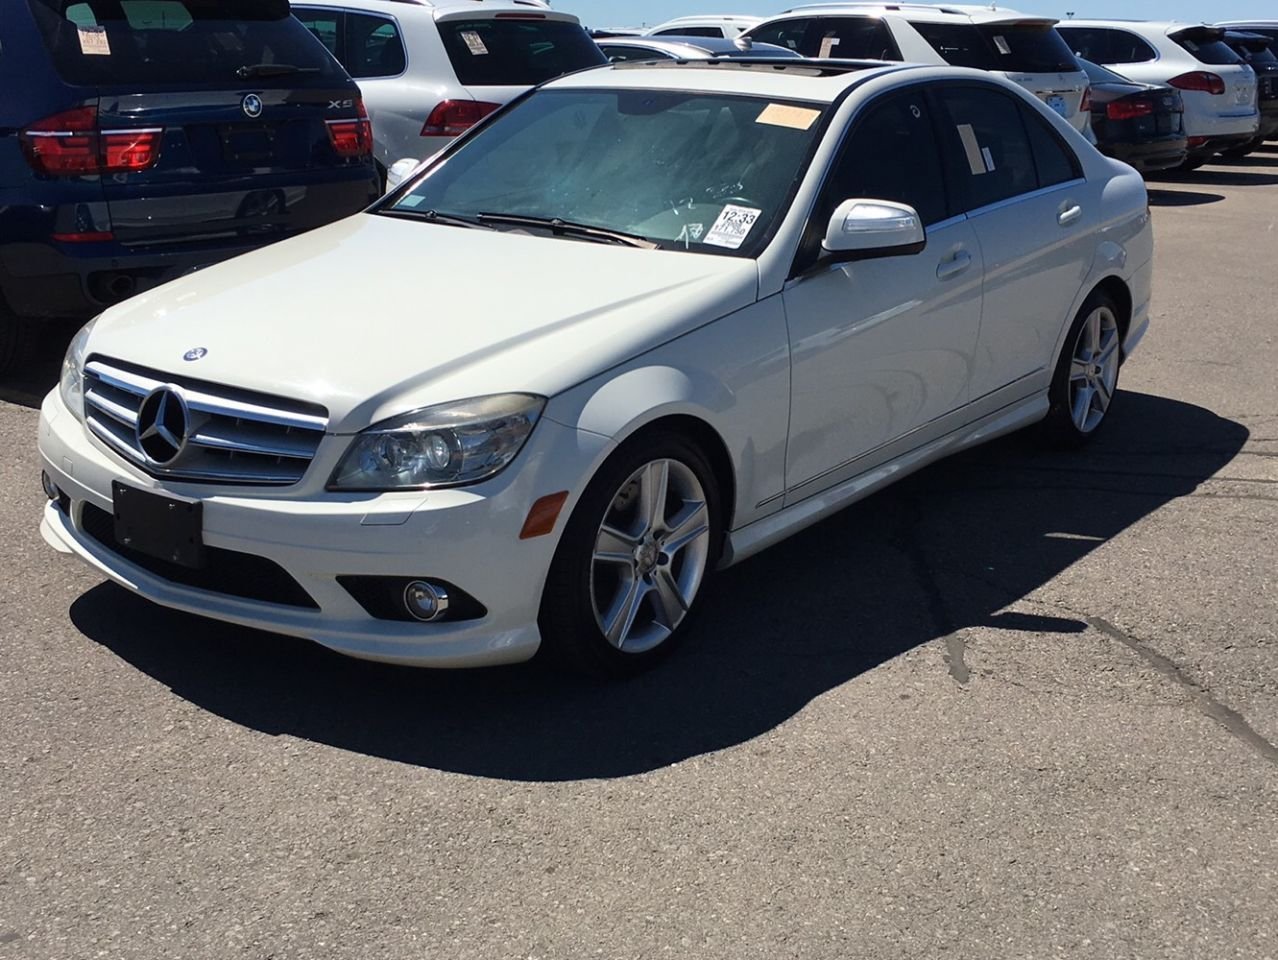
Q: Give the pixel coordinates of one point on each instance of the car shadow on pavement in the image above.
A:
(1217, 178)
(1181, 198)
(37, 372)
(948, 548)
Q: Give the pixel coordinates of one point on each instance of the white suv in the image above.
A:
(1217, 86)
(726, 26)
(1026, 50)
(431, 70)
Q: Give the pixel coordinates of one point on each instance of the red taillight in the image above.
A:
(352, 138)
(1086, 105)
(452, 118)
(1200, 81)
(1128, 109)
(69, 144)
(1197, 141)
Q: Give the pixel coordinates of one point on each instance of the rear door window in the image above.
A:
(325, 25)
(1054, 161)
(190, 42)
(852, 38)
(1103, 45)
(987, 147)
(490, 52)
(373, 47)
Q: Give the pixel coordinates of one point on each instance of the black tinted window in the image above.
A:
(1103, 45)
(1207, 47)
(785, 33)
(488, 52)
(987, 146)
(324, 25)
(373, 47)
(852, 38)
(691, 32)
(1054, 161)
(195, 42)
(1034, 48)
(892, 155)
(621, 53)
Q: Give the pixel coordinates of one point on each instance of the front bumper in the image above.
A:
(468, 537)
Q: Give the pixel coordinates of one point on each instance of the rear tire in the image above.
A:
(630, 569)
(1085, 381)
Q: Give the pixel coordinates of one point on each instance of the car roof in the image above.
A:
(816, 81)
(709, 18)
(926, 12)
(1166, 27)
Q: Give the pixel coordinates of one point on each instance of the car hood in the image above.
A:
(374, 316)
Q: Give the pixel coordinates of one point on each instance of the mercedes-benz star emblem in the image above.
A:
(252, 105)
(195, 353)
(164, 423)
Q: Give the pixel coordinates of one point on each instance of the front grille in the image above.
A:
(233, 436)
(224, 571)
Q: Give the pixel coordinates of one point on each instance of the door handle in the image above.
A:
(1070, 214)
(953, 265)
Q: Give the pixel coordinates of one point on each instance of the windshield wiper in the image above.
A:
(272, 70)
(434, 216)
(566, 228)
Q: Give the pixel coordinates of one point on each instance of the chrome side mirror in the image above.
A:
(863, 229)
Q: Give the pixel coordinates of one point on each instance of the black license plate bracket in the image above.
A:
(159, 526)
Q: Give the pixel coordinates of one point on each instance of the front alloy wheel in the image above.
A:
(650, 556)
(633, 558)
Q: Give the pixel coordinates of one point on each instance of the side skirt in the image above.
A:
(763, 533)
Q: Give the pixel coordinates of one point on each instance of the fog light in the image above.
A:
(425, 601)
(50, 489)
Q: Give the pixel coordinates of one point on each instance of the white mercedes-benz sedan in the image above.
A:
(642, 323)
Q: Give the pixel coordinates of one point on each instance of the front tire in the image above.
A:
(1086, 377)
(629, 570)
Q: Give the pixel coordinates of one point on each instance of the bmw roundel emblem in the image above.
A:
(252, 105)
(195, 353)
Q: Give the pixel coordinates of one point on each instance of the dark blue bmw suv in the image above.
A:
(141, 139)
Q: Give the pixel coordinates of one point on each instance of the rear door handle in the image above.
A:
(953, 265)
(1070, 214)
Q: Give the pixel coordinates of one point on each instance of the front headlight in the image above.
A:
(71, 383)
(449, 445)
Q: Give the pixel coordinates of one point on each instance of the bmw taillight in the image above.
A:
(452, 118)
(1086, 105)
(71, 144)
(352, 138)
(1128, 109)
(1199, 81)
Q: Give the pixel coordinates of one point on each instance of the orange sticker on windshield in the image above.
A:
(796, 118)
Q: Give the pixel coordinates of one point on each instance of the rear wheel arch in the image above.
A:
(1121, 294)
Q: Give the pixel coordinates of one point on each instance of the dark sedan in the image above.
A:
(1138, 123)
(1257, 50)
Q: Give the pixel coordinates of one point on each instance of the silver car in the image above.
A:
(431, 70)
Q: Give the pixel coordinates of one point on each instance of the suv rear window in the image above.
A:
(191, 42)
(1012, 48)
(1207, 46)
(498, 53)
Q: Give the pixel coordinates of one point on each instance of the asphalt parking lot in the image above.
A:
(1022, 705)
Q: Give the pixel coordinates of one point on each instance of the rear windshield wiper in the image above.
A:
(272, 70)
(434, 216)
(568, 229)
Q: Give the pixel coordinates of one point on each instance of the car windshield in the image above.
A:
(708, 173)
(1009, 47)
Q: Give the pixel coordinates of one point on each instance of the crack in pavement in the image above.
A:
(1226, 716)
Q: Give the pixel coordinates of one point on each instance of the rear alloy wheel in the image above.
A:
(633, 559)
(1086, 377)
